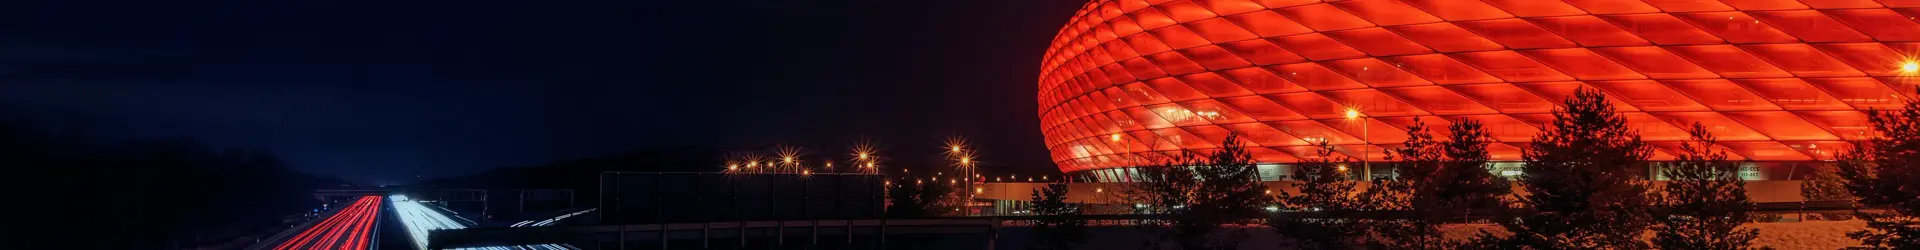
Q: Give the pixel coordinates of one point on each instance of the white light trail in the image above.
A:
(419, 220)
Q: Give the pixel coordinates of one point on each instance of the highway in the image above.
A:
(351, 228)
(419, 220)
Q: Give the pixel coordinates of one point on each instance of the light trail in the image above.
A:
(420, 220)
(348, 229)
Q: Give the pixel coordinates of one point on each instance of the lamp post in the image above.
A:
(1366, 170)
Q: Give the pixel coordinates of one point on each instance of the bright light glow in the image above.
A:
(419, 219)
(1910, 67)
(869, 165)
(787, 159)
(350, 228)
(1353, 113)
(1114, 137)
(1342, 168)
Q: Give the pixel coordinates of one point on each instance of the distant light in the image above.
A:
(806, 172)
(1353, 113)
(979, 190)
(1910, 67)
(1273, 209)
(1098, 190)
(1114, 137)
(787, 159)
(1342, 168)
(869, 164)
(1269, 191)
(863, 155)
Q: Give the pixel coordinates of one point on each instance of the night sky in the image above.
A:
(381, 91)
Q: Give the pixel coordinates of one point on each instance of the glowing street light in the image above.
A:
(1353, 114)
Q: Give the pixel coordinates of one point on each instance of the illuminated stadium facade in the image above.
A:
(1781, 82)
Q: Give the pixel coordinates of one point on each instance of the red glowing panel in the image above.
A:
(1386, 12)
(1261, 108)
(1438, 100)
(1721, 94)
(1325, 17)
(1269, 24)
(1532, 8)
(1663, 29)
(1312, 105)
(1459, 10)
(1737, 27)
(1441, 69)
(1445, 37)
(1689, 5)
(1649, 95)
(1215, 58)
(1378, 42)
(1318, 46)
(1505, 97)
(1793, 94)
(1583, 64)
(1262, 52)
(1221, 30)
(1314, 77)
(1261, 81)
(1811, 26)
(1511, 66)
(1655, 62)
(1725, 128)
(1516, 34)
(1589, 31)
(1729, 61)
(1375, 73)
(1782, 125)
(1371, 102)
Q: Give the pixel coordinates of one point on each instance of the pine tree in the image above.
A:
(1824, 184)
(1323, 186)
(1704, 201)
(1438, 181)
(1884, 172)
(1585, 181)
(1468, 181)
(1059, 229)
(1200, 193)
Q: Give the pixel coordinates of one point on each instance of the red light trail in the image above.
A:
(348, 229)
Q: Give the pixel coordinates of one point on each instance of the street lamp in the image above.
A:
(1366, 170)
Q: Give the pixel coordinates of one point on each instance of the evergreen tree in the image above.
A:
(1437, 181)
(1824, 184)
(1198, 194)
(921, 199)
(1059, 228)
(1585, 180)
(1324, 187)
(1704, 199)
(1467, 182)
(1884, 172)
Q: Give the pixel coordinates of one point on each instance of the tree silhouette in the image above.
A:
(1885, 172)
(1436, 181)
(1060, 230)
(1198, 194)
(1704, 200)
(147, 194)
(1585, 180)
(1326, 187)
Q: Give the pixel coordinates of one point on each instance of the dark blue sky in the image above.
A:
(379, 91)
